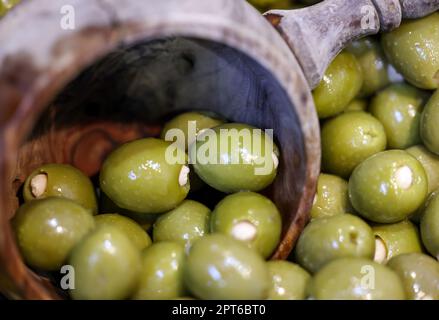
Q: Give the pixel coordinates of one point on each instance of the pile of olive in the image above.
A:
(141, 236)
(374, 229)
(376, 211)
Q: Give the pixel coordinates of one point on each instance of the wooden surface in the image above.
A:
(318, 33)
(38, 62)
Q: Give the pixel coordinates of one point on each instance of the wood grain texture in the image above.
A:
(390, 14)
(38, 63)
(412, 9)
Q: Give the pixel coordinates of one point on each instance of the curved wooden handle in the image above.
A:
(318, 33)
(412, 9)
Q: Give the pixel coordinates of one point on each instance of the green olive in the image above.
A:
(413, 48)
(185, 224)
(332, 197)
(429, 121)
(357, 105)
(399, 108)
(395, 239)
(162, 272)
(221, 268)
(430, 162)
(107, 266)
(235, 157)
(48, 229)
(356, 279)
(388, 187)
(250, 218)
(288, 281)
(128, 226)
(340, 85)
(182, 124)
(348, 139)
(60, 180)
(420, 275)
(145, 220)
(327, 239)
(142, 176)
(373, 63)
(430, 226)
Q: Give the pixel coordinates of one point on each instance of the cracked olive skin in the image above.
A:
(332, 197)
(236, 165)
(398, 238)
(107, 266)
(181, 122)
(429, 121)
(288, 281)
(161, 277)
(185, 224)
(413, 48)
(430, 162)
(48, 229)
(356, 279)
(419, 274)
(388, 187)
(253, 211)
(340, 85)
(128, 226)
(63, 181)
(327, 239)
(349, 139)
(138, 177)
(373, 62)
(430, 226)
(221, 268)
(399, 108)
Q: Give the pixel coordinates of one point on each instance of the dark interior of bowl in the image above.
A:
(132, 91)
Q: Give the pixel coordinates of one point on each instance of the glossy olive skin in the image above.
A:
(327, 239)
(288, 281)
(235, 165)
(373, 63)
(332, 197)
(356, 279)
(183, 121)
(107, 266)
(63, 181)
(388, 187)
(348, 139)
(419, 274)
(413, 48)
(128, 226)
(221, 268)
(162, 272)
(357, 105)
(340, 85)
(399, 108)
(429, 121)
(430, 162)
(138, 177)
(397, 238)
(430, 226)
(48, 229)
(185, 224)
(249, 210)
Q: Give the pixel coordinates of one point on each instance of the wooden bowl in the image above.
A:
(71, 96)
(78, 80)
